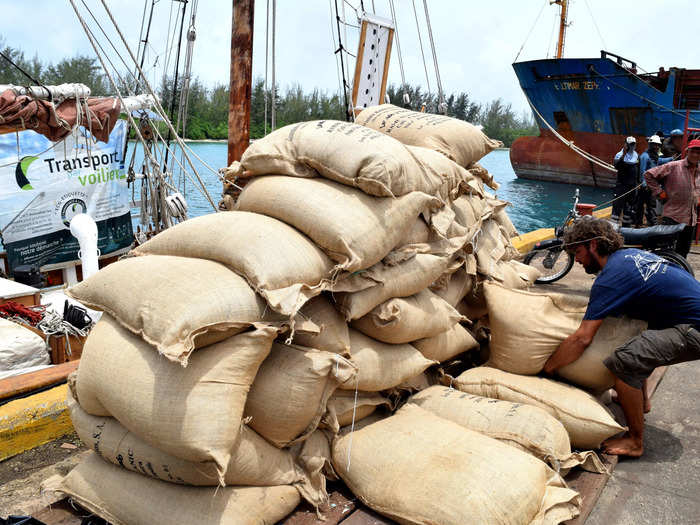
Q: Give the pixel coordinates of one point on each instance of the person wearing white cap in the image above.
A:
(647, 160)
(627, 165)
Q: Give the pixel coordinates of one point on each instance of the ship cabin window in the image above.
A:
(562, 121)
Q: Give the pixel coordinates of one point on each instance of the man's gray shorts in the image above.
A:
(634, 361)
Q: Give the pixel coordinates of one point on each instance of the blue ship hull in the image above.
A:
(596, 103)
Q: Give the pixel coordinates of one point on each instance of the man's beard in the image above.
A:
(592, 267)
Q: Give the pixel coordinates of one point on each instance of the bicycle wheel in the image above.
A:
(676, 259)
(553, 264)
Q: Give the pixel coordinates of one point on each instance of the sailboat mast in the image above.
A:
(241, 79)
(563, 15)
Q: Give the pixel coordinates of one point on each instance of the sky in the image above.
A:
(476, 41)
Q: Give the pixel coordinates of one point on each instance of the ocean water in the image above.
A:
(535, 204)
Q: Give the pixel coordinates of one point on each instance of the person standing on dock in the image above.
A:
(627, 165)
(680, 193)
(646, 202)
(672, 145)
(644, 286)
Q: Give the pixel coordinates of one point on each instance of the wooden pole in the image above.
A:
(564, 4)
(241, 79)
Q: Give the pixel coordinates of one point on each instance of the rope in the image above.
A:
(642, 97)
(342, 62)
(398, 45)
(34, 81)
(157, 103)
(441, 94)
(570, 143)
(337, 67)
(590, 12)
(546, 3)
(420, 42)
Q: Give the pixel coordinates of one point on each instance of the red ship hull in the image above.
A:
(548, 158)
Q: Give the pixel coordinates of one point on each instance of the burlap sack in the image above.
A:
(516, 275)
(290, 392)
(406, 319)
(526, 427)
(354, 229)
(126, 498)
(503, 220)
(253, 460)
(527, 328)
(447, 344)
(175, 303)
(346, 406)
(442, 177)
(381, 366)
(417, 468)
(333, 330)
(418, 234)
(193, 413)
(454, 287)
(490, 248)
(458, 140)
(280, 263)
(314, 456)
(400, 280)
(341, 151)
(587, 421)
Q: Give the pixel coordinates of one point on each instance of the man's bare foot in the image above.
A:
(624, 446)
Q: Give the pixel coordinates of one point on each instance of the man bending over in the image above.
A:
(641, 285)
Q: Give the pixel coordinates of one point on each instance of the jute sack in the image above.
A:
(442, 177)
(526, 427)
(175, 303)
(406, 319)
(489, 249)
(458, 140)
(454, 287)
(353, 228)
(527, 328)
(381, 366)
(193, 413)
(447, 344)
(418, 468)
(400, 280)
(290, 392)
(280, 263)
(587, 421)
(518, 276)
(253, 460)
(418, 234)
(333, 333)
(126, 498)
(344, 152)
(314, 456)
(477, 170)
(346, 406)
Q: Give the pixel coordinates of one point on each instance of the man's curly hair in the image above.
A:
(586, 229)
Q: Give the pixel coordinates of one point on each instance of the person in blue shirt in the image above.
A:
(641, 285)
(646, 203)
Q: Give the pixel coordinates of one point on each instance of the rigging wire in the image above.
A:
(350, 110)
(406, 99)
(337, 66)
(173, 95)
(267, 55)
(551, 35)
(31, 78)
(157, 103)
(442, 108)
(590, 12)
(420, 42)
(273, 113)
(537, 19)
(342, 62)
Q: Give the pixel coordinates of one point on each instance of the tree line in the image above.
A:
(207, 107)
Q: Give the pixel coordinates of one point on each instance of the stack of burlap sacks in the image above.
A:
(250, 349)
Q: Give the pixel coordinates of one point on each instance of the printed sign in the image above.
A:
(43, 185)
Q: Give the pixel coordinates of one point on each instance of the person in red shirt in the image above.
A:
(680, 193)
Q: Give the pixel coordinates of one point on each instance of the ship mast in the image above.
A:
(563, 15)
(241, 79)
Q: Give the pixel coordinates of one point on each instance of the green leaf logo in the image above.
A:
(21, 172)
